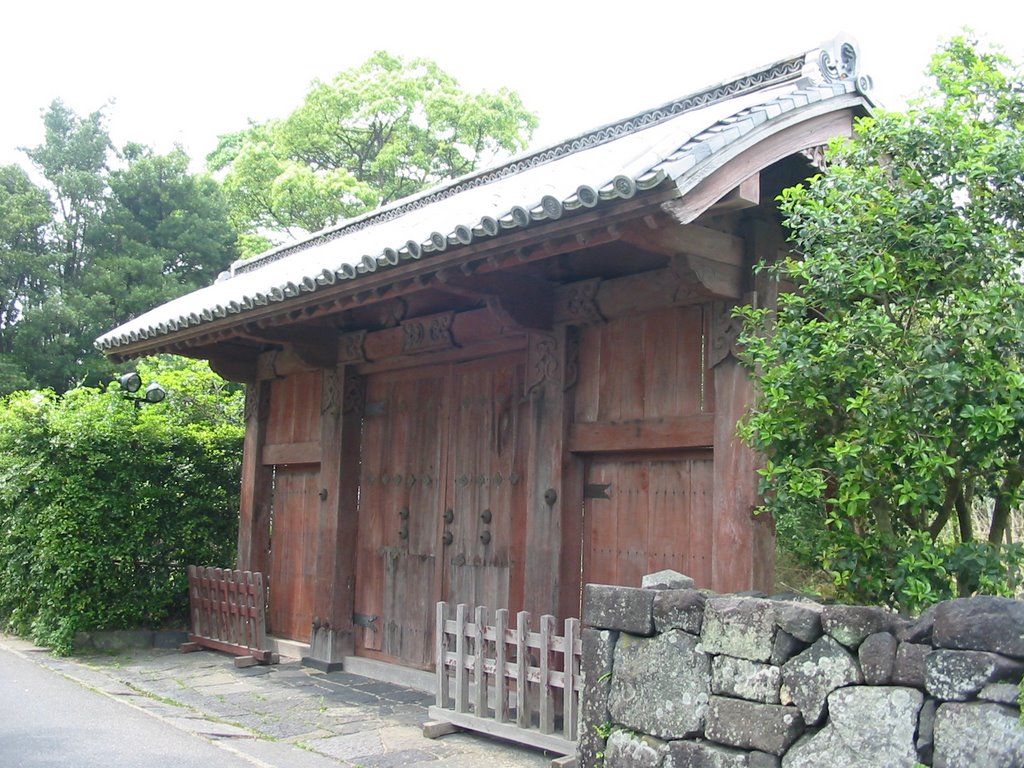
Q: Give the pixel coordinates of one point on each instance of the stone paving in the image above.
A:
(285, 715)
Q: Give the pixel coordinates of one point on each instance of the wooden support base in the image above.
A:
(191, 647)
(435, 729)
(569, 761)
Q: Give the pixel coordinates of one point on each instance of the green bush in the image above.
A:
(103, 504)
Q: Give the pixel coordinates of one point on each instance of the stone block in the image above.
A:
(811, 676)
(1001, 693)
(868, 726)
(765, 727)
(623, 609)
(667, 579)
(743, 627)
(979, 735)
(959, 675)
(982, 623)
(850, 624)
(802, 620)
(926, 731)
(704, 754)
(742, 679)
(877, 656)
(909, 665)
(632, 750)
(596, 668)
(661, 685)
(785, 647)
(763, 760)
(917, 631)
(679, 609)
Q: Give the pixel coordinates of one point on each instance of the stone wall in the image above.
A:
(680, 678)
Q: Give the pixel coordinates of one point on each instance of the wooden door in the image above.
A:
(483, 540)
(441, 485)
(646, 514)
(401, 493)
(293, 540)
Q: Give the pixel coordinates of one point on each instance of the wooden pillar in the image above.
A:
(340, 428)
(257, 483)
(743, 544)
(553, 504)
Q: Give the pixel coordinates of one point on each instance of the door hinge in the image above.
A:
(596, 491)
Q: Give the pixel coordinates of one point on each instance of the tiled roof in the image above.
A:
(682, 142)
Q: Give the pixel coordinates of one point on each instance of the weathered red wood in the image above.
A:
(257, 483)
(228, 611)
(735, 485)
(292, 453)
(642, 435)
(293, 551)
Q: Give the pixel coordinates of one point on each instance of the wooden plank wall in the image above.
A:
(292, 446)
(644, 419)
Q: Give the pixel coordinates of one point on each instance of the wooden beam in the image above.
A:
(677, 433)
(746, 195)
(234, 362)
(690, 280)
(671, 239)
(291, 453)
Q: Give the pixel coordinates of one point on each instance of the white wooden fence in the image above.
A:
(509, 681)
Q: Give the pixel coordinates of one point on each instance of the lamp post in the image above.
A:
(131, 383)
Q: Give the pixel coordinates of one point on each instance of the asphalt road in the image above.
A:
(48, 720)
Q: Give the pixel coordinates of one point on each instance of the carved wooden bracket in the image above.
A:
(576, 303)
(354, 396)
(352, 347)
(543, 364)
(257, 402)
(428, 334)
(725, 330)
(331, 393)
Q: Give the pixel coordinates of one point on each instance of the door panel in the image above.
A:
(656, 516)
(485, 487)
(293, 537)
(400, 497)
(441, 473)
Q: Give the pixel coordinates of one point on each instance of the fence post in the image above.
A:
(570, 699)
(547, 704)
(500, 661)
(522, 668)
(441, 643)
(479, 671)
(461, 678)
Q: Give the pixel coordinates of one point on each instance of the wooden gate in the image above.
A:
(292, 449)
(440, 490)
(642, 423)
(293, 540)
(647, 514)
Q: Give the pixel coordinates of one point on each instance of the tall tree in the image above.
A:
(372, 135)
(892, 381)
(25, 217)
(130, 230)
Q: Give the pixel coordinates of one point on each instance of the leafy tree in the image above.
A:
(374, 134)
(891, 413)
(130, 230)
(103, 505)
(25, 217)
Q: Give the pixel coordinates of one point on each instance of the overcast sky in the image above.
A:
(186, 71)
